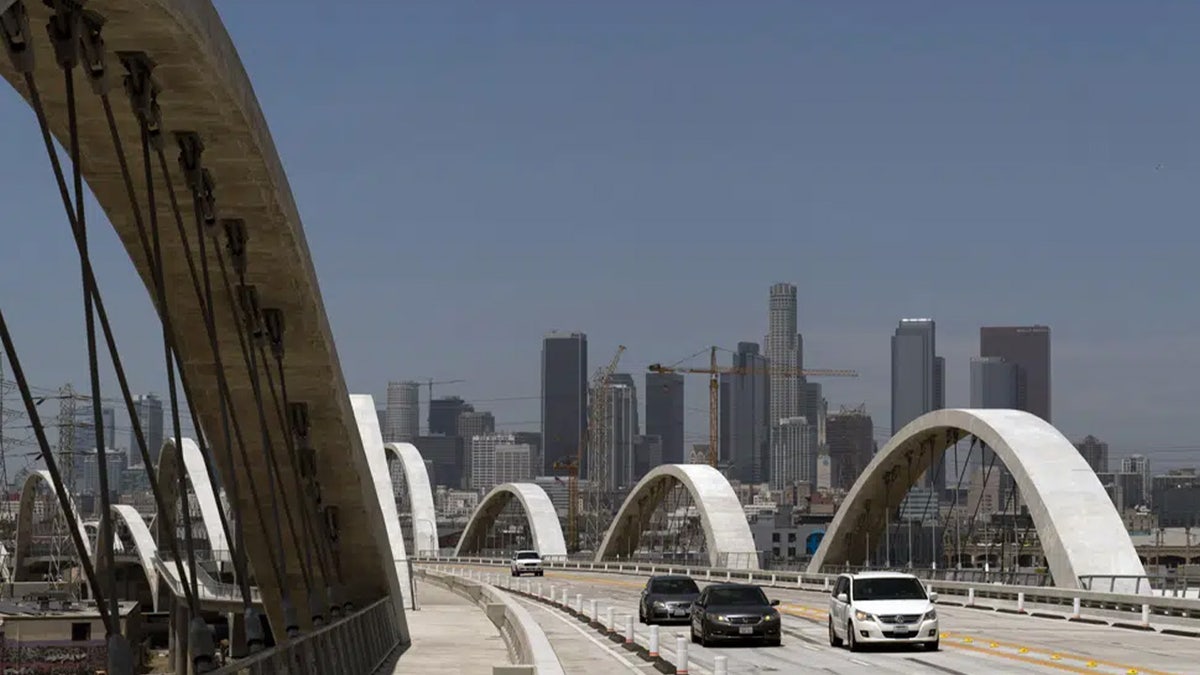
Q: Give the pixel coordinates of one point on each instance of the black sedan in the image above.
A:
(735, 612)
(667, 598)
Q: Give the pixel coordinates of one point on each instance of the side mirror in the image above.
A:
(842, 597)
(933, 596)
(774, 603)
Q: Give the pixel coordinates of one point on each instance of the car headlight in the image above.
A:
(718, 617)
(931, 615)
(771, 617)
(659, 604)
(863, 616)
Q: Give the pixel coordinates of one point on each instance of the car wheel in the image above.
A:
(851, 642)
(704, 641)
(834, 640)
(933, 646)
(692, 631)
(775, 642)
(642, 615)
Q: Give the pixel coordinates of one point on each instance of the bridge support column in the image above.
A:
(237, 635)
(179, 633)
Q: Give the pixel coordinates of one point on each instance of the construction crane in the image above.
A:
(595, 419)
(429, 383)
(714, 387)
(599, 430)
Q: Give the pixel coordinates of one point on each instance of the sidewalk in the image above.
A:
(450, 635)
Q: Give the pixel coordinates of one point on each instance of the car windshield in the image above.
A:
(888, 588)
(674, 586)
(527, 555)
(749, 595)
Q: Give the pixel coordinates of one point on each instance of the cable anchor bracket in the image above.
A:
(14, 31)
(143, 91)
(65, 29)
(273, 322)
(235, 242)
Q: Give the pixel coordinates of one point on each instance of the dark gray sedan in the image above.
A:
(735, 612)
(667, 598)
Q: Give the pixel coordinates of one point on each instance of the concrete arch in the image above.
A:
(1080, 530)
(25, 522)
(726, 530)
(420, 495)
(143, 543)
(539, 510)
(205, 90)
(167, 475)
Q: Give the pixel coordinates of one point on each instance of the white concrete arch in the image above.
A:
(539, 510)
(167, 475)
(25, 522)
(420, 495)
(206, 90)
(380, 485)
(1080, 530)
(143, 543)
(726, 531)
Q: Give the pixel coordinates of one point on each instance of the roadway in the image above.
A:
(973, 640)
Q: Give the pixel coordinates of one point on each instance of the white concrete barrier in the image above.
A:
(681, 655)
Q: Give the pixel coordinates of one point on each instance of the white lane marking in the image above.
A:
(861, 663)
(594, 640)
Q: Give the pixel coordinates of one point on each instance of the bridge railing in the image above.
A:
(359, 643)
(1130, 598)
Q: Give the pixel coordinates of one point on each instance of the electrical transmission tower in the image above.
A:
(599, 435)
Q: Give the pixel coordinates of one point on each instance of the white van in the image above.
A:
(882, 607)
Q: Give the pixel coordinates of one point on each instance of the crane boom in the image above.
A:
(714, 386)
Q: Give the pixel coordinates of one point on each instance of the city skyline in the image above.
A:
(954, 187)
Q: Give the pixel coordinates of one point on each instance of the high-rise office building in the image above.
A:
(647, 454)
(564, 401)
(403, 412)
(745, 428)
(664, 414)
(149, 409)
(475, 423)
(789, 452)
(993, 383)
(85, 427)
(1095, 453)
(444, 412)
(785, 355)
(918, 381)
(623, 406)
(483, 458)
(1028, 348)
(815, 409)
(851, 441)
(448, 454)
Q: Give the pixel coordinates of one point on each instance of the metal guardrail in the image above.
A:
(1140, 599)
(359, 643)
(527, 642)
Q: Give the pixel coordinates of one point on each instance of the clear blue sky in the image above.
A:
(472, 174)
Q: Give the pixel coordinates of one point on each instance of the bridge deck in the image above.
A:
(974, 640)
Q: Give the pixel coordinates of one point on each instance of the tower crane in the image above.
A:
(429, 382)
(714, 371)
(593, 440)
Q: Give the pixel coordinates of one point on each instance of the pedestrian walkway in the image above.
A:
(450, 635)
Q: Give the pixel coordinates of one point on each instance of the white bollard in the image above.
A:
(653, 642)
(1021, 601)
(1075, 608)
(970, 597)
(566, 602)
(592, 610)
(579, 602)
(1146, 615)
(608, 620)
(629, 630)
(720, 665)
(538, 590)
(681, 658)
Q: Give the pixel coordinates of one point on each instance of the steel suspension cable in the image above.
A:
(25, 66)
(64, 30)
(273, 325)
(234, 539)
(986, 475)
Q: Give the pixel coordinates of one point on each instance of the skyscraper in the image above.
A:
(745, 425)
(918, 380)
(149, 409)
(85, 427)
(564, 401)
(993, 383)
(785, 354)
(443, 415)
(913, 371)
(622, 402)
(403, 412)
(851, 436)
(1095, 453)
(664, 414)
(1028, 348)
(789, 453)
